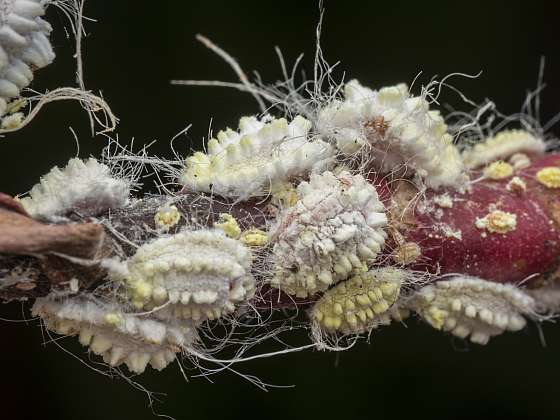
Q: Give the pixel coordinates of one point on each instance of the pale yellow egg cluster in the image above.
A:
(498, 170)
(229, 225)
(167, 217)
(254, 237)
(497, 221)
(549, 177)
(251, 237)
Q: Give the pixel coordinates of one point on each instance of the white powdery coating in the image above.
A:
(85, 186)
(472, 306)
(399, 128)
(117, 336)
(262, 153)
(335, 227)
(502, 146)
(194, 274)
(24, 45)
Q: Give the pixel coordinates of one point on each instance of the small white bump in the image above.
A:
(461, 331)
(479, 338)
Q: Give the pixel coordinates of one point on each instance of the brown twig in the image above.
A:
(37, 253)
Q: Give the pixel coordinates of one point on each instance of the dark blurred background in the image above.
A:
(133, 51)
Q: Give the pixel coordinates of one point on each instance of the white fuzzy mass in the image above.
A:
(85, 186)
(398, 129)
(263, 153)
(24, 45)
(335, 227)
(116, 336)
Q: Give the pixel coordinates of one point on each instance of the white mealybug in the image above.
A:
(24, 45)
(399, 130)
(502, 146)
(249, 162)
(117, 336)
(472, 306)
(335, 227)
(193, 274)
(85, 186)
(360, 303)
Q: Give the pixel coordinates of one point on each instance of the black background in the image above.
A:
(133, 51)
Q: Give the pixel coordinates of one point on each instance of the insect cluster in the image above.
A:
(368, 210)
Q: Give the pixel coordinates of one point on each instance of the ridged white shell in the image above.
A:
(335, 226)
(263, 153)
(24, 45)
(399, 129)
(117, 336)
(472, 306)
(193, 274)
(85, 186)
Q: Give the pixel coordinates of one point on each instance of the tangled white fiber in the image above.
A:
(24, 47)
